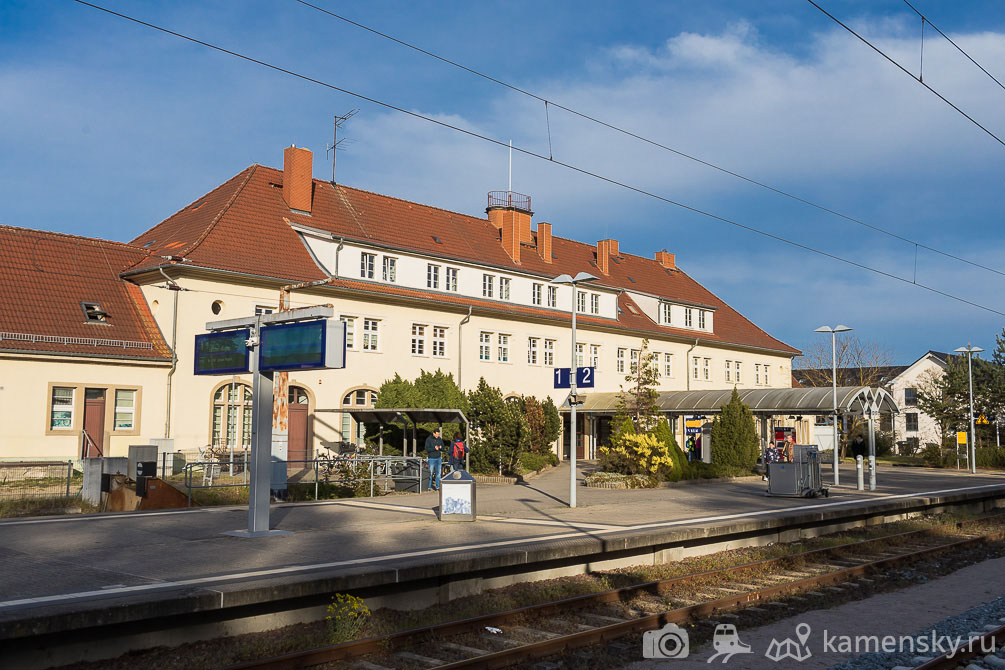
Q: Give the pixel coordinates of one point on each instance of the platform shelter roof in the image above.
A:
(412, 414)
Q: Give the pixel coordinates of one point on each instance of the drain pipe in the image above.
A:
(460, 343)
(341, 243)
(687, 363)
(173, 286)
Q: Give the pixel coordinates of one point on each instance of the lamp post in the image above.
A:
(580, 278)
(833, 331)
(972, 452)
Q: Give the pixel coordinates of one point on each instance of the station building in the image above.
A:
(95, 332)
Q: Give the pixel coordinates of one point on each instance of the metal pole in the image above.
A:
(317, 473)
(572, 406)
(261, 443)
(834, 373)
(973, 444)
(858, 472)
(69, 476)
(872, 449)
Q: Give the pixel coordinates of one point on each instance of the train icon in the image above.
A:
(726, 642)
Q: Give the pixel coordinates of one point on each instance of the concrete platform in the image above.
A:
(117, 574)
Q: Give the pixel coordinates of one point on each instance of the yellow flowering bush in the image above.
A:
(347, 615)
(638, 454)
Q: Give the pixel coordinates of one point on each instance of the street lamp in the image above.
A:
(834, 375)
(970, 351)
(580, 278)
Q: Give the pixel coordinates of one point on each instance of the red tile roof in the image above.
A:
(45, 278)
(241, 227)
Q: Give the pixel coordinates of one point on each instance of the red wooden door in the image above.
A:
(94, 422)
(297, 445)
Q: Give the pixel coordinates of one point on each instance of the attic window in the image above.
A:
(616, 259)
(93, 312)
(150, 243)
(631, 279)
(631, 308)
(195, 207)
(436, 239)
(593, 263)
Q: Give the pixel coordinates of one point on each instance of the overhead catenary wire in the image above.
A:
(539, 156)
(649, 141)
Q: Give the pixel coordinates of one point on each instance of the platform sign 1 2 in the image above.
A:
(584, 378)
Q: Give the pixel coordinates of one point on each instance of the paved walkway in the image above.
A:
(73, 559)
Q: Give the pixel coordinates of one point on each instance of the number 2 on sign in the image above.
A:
(587, 372)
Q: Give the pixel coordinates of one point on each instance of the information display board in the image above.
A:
(303, 345)
(222, 353)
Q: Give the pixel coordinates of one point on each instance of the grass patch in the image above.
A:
(20, 507)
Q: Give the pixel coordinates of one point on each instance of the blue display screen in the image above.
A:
(223, 353)
(293, 346)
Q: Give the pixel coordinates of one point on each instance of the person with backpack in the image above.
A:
(457, 452)
(434, 452)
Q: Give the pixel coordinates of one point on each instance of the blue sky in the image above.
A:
(107, 127)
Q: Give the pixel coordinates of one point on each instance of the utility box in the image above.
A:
(142, 453)
(457, 497)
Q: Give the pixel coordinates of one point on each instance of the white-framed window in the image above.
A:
(502, 351)
(708, 368)
(549, 352)
(125, 409)
(766, 382)
(580, 301)
(635, 361)
(665, 309)
(552, 296)
(532, 350)
(595, 356)
(579, 354)
(433, 276)
(594, 303)
(757, 374)
(688, 317)
(370, 333)
(61, 414)
(668, 365)
(694, 367)
(350, 331)
(535, 294)
(504, 288)
(261, 310)
(366, 265)
(621, 360)
(418, 339)
(231, 423)
(484, 346)
(488, 282)
(451, 280)
(701, 319)
(736, 367)
(439, 342)
(729, 371)
(390, 269)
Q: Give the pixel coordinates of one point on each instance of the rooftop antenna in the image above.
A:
(334, 146)
(511, 166)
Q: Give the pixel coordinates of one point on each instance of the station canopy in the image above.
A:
(798, 401)
(412, 415)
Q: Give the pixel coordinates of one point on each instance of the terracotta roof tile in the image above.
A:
(46, 277)
(241, 227)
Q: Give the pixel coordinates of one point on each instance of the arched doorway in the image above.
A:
(298, 447)
(353, 432)
(230, 424)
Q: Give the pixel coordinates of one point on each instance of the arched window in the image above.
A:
(298, 395)
(232, 416)
(356, 398)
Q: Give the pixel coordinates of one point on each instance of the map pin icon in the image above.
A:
(803, 633)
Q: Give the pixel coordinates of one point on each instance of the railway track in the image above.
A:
(548, 629)
(976, 648)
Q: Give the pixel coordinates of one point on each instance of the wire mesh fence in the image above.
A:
(39, 479)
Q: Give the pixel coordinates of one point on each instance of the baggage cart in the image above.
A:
(799, 478)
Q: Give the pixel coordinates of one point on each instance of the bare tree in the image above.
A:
(859, 363)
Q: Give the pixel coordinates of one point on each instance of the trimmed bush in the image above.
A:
(638, 454)
(991, 457)
(734, 436)
(531, 461)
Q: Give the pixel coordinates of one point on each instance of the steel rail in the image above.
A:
(384, 643)
(966, 652)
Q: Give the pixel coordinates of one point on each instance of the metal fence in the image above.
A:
(363, 473)
(25, 479)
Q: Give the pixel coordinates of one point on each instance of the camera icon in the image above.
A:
(670, 641)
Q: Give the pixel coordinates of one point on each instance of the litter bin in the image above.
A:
(457, 497)
(800, 478)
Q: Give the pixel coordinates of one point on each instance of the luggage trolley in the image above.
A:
(800, 478)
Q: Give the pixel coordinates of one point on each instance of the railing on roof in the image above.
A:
(509, 199)
(86, 341)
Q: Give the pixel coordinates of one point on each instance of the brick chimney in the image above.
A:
(510, 213)
(666, 260)
(298, 178)
(544, 241)
(612, 247)
(603, 255)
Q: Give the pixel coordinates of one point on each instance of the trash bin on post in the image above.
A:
(457, 497)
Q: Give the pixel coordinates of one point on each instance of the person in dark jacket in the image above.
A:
(434, 450)
(457, 452)
(859, 447)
